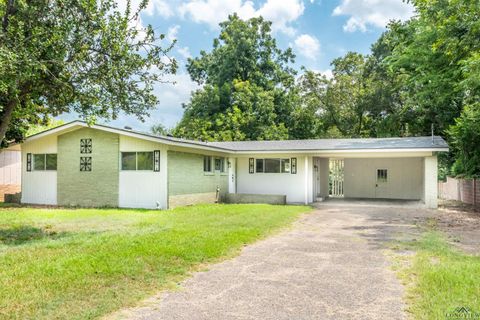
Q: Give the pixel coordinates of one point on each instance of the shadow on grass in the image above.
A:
(19, 235)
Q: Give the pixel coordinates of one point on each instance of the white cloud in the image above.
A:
(212, 12)
(377, 13)
(154, 7)
(282, 14)
(184, 52)
(172, 33)
(308, 46)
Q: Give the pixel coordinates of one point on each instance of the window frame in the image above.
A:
(44, 161)
(210, 167)
(383, 178)
(222, 166)
(136, 161)
(281, 162)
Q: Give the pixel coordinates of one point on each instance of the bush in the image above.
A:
(465, 140)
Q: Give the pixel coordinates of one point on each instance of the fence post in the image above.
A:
(474, 192)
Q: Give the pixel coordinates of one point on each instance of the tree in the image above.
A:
(160, 130)
(59, 56)
(248, 88)
(465, 139)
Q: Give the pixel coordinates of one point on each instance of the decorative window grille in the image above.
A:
(85, 145)
(85, 163)
(293, 169)
(156, 160)
(251, 165)
(29, 162)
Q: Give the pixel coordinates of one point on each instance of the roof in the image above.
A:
(336, 144)
(310, 145)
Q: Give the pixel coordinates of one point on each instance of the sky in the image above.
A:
(318, 31)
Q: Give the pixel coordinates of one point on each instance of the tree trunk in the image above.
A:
(7, 117)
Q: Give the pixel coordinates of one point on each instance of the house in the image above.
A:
(10, 171)
(80, 165)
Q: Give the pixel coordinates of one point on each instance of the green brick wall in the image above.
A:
(186, 176)
(91, 189)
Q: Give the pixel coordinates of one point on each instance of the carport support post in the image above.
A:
(306, 179)
(430, 184)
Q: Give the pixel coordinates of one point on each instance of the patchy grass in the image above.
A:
(85, 263)
(439, 278)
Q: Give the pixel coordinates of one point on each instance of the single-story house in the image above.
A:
(80, 165)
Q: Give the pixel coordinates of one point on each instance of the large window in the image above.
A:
(137, 161)
(42, 162)
(273, 165)
(207, 164)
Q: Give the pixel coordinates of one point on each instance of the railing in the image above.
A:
(336, 177)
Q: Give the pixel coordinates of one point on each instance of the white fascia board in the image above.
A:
(345, 151)
(78, 124)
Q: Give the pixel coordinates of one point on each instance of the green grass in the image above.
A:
(85, 263)
(439, 278)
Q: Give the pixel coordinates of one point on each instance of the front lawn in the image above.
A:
(440, 279)
(85, 263)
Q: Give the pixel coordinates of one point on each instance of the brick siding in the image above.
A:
(465, 190)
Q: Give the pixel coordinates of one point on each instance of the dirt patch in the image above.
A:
(461, 223)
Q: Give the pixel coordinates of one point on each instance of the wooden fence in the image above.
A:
(464, 190)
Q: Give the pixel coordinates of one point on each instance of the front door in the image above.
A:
(381, 183)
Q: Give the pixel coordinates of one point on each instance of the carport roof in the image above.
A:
(435, 144)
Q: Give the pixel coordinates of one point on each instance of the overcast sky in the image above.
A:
(317, 30)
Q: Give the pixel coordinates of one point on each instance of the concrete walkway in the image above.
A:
(330, 265)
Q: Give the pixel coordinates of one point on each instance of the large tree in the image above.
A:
(248, 86)
(84, 56)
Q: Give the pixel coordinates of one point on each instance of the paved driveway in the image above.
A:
(330, 265)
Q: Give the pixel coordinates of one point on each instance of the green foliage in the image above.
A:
(68, 55)
(160, 130)
(465, 139)
(86, 263)
(248, 88)
(45, 125)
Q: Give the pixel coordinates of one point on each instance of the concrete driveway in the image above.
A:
(329, 265)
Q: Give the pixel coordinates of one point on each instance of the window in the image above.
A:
(207, 164)
(143, 160)
(42, 162)
(273, 165)
(220, 164)
(85, 145)
(85, 163)
(259, 165)
(382, 175)
(285, 165)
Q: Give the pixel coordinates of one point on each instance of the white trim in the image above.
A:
(306, 180)
(314, 152)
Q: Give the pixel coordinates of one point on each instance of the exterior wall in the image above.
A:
(39, 187)
(10, 167)
(324, 176)
(143, 189)
(291, 185)
(464, 190)
(255, 198)
(188, 184)
(404, 178)
(98, 187)
(232, 175)
(430, 191)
